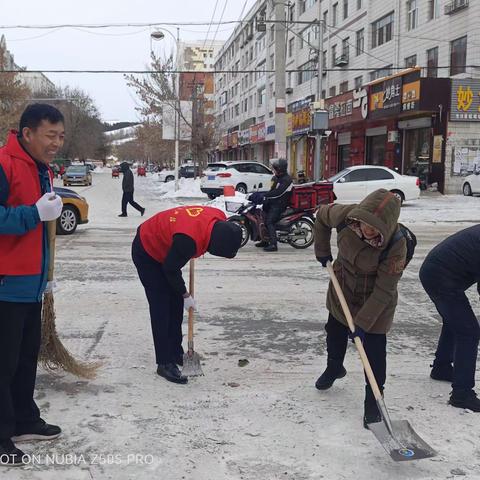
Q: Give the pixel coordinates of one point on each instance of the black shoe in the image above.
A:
(465, 399)
(170, 372)
(371, 415)
(10, 455)
(270, 248)
(442, 372)
(179, 360)
(38, 431)
(262, 244)
(331, 373)
(123, 215)
(142, 212)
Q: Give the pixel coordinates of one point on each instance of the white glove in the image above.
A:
(51, 286)
(188, 303)
(49, 207)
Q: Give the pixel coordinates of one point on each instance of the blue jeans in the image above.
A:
(458, 342)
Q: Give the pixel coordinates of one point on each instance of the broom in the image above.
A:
(53, 355)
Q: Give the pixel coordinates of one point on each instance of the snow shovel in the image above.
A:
(191, 359)
(397, 437)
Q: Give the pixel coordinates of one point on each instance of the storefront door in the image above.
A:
(417, 152)
(376, 150)
(343, 157)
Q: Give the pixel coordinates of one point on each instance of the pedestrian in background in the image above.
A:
(128, 188)
(26, 202)
(452, 267)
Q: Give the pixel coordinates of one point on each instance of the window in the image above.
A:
(332, 91)
(301, 7)
(324, 94)
(345, 47)
(272, 61)
(334, 55)
(432, 9)
(410, 61)
(458, 56)
(432, 62)
(382, 30)
(381, 72)
(325, 19)
(359, 4)
(358, 82)
(359, 175)
(237, 109)
(307, 72)
(272, 33)
(291, 44)
(324, 62)
(360, 41)
(291, 12)
(378, 174)
(412, 14)
(345, 9)
(344, 86)
(310, 4)
(261, 96)
(335, 15)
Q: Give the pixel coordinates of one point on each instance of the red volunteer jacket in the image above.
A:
(197, 222)
(21, 254)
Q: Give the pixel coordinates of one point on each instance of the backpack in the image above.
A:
(403, 232)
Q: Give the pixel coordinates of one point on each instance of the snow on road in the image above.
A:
(262, 421)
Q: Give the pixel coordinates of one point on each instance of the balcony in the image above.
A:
(342, 60)
(455, 6)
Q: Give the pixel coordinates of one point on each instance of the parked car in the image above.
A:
(77, 175)
(471, 184)
(184, 171)
(244, 176)
(74, 212)
(353, 184)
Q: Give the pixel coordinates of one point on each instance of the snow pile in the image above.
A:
(221, 203)
(99, 170)
(187, 188)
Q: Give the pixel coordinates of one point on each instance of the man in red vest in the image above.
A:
(26, 202)
(162, 246)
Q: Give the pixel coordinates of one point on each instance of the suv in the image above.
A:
(244, 176)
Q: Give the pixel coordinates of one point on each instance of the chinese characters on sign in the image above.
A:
(411, 96)
(340, 109)
(465, 100)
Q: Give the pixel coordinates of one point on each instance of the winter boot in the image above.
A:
(442, 372)
(262, 244)
(270, 248)
(371, 412)
(333, 371)
(465, 399)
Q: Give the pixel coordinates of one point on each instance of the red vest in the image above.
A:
(197, 222)
(20, 254)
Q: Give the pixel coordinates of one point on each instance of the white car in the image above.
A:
(471, 184)
(353, 184)
(166, 175)
(245, 177)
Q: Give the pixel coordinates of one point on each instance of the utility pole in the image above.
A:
(177, 110)
(280, 49)
(318, 164)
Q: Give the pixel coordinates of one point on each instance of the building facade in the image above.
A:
(363, 41)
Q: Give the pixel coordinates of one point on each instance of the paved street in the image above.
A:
(261, 421)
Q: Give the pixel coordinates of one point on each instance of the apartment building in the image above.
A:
(199, 55)
(363, 41)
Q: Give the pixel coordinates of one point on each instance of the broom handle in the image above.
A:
(358, 342)
(51, 231)
(190, 311)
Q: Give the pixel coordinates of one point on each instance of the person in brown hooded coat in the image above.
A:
(368, 279)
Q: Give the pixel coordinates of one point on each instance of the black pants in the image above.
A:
(20, 335)
(375, 347)
(458, 342)
(166, 305)
(127, 198)
(272, 216)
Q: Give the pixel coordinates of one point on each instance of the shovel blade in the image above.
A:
(404, 444)
(191, 365)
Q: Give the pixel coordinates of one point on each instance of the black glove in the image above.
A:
(359, 332)
(324, 260)
(257, 198)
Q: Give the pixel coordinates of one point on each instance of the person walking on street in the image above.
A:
(368, 267)
(162, 246)
(127, 187)
(450, 269)
(26, 202)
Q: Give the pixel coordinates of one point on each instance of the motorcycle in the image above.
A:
(295, 226)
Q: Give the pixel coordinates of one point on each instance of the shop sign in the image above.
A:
(289, 130)
(360, 100)
(347, 107)
(223, 144)
(437, 149)
(234, 139)
(340, 109)
(254, 134)
(465, 101)
(411, 96)
(386, 97)
(300, 112)
(244, 137)
(270, 129)
(261, 132)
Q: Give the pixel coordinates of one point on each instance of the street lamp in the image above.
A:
(160, 35)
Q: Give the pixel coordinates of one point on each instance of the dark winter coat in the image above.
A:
(370, 288)
(279, 194)
(127, 182)
(456, 260)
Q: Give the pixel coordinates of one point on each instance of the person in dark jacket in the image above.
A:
(162, 246)
(275, 202)
(127, 187)
(449, 269)
(26, 202)
(369, 283)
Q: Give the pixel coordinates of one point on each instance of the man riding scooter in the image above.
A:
(275, 202)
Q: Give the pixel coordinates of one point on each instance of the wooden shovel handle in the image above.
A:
(52, 233)
(191, 287)
(358, 342)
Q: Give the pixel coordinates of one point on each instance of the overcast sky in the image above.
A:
(125, 48)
